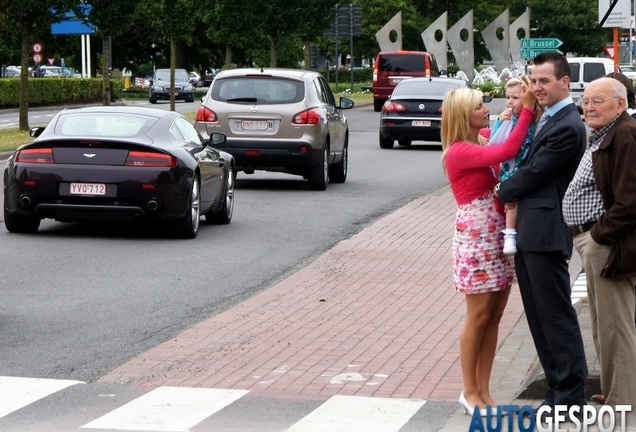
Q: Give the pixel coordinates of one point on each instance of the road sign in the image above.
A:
(532, 53)
(37, 47)
(540, 43)
(37, 58)
(614, 13)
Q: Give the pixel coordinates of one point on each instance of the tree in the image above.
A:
(573, 22)
(27, 15)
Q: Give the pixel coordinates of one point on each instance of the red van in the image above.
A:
(391, 67)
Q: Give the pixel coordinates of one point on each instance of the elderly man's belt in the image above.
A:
(580, 229)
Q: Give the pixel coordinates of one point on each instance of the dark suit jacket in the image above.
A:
(541, 182)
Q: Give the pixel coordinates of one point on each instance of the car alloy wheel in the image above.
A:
(319, 174)
(188, 225)
(338, 171)
(224, 214)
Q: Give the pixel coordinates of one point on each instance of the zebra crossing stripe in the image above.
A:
(359, 413)
(17, 392)
(171, 409)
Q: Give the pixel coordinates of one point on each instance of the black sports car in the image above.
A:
(119, 163)
(414, 110)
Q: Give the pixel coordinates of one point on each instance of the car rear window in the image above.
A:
(263, 90)
(401, 63)
(103, 125)
(432, 88)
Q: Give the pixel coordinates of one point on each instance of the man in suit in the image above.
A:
(544, 244)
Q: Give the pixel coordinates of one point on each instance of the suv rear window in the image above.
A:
(258, 90)
(401, 63)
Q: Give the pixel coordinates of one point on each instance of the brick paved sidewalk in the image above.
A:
(377, 315)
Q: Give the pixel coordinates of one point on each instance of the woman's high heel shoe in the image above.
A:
(468, 409)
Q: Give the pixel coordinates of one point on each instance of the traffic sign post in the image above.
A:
(532, 47)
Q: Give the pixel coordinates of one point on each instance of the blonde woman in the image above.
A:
(482, 272)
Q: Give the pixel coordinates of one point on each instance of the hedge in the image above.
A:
(56, 91)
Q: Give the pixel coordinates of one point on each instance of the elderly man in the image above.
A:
(600, 209)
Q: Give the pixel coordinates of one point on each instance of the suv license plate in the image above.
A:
(88, 189)
(256, 125)
(424, 123)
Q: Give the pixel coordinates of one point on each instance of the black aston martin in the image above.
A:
(119, 164)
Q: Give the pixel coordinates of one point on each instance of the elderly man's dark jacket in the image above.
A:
(614, 166)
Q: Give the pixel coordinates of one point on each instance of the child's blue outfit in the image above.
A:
(509, 167)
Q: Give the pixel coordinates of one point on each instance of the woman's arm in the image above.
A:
(476, 156)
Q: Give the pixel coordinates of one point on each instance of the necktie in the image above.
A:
(542, 121)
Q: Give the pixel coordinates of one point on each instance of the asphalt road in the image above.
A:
(80, 299)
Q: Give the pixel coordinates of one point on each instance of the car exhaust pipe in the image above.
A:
(25, 200)
(152, 205)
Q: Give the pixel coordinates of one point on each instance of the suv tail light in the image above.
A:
(393, 107)
(310, 116)
(206, 115)
(150, 159)
(37, 155)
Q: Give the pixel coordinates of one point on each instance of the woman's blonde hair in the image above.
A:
(457, 107)
(538, 109)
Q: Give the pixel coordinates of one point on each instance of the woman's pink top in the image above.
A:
(470, 166)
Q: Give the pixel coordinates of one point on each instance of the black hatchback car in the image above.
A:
(414, 110)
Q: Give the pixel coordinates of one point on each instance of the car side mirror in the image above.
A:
(217, 138)
(346, 103)
(36, 131)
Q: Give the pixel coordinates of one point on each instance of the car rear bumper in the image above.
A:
(403, 129)
(288, 155)
(131, 194)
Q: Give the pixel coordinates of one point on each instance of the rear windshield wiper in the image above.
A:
(243, 99)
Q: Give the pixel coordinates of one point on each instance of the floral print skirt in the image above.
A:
(480, 266)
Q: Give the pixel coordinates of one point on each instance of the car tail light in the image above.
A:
(375, 76)
(310, 116)
(206, 115)
(393, 107)
(37, 155)
(150, 159)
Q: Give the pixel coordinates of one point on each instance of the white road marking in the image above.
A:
(579, 289)
(16, 393)
(359, 413)
(168, 409)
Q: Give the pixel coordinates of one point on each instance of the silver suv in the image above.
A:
(160, 86)
(282, 120)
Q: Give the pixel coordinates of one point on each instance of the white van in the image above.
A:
(584, 70)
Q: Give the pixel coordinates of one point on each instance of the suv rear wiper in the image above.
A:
(243, 99)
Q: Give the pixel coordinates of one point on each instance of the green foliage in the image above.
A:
(491, 89)
(56, 91)
(364, 75)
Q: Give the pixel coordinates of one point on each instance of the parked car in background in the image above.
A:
(414, 110)
(391, 67)
(160, 86)
(195, 79)
(282, 120)
(629, 71)
(119, 164)
(209, 77)
(584, 70)
(11, 71)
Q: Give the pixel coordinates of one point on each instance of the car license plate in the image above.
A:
(424, 123)
(88, 189)
(256, 125)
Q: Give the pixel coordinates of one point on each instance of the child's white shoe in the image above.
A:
(510, 241)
